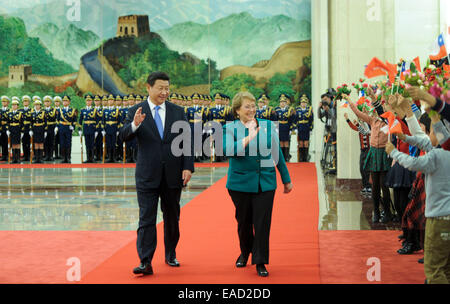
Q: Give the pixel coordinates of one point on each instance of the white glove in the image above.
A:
(103, 133)
(71, 128)
(81, 133)
(95, 135)
(31, 133)
(290, 133)
(21, 135)
(8, 133)
(45, 134)
(117, 133)
(56, 130)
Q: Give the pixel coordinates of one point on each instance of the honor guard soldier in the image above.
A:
(123, 116)
(264, 111)
(138, 99)
(57, 100)
(204, 100)
(104, 101)
(229, 116)
(26, 121)
(286, 120)
(218, 115)
(260, 109)
(98, 141)
(173, 98)
(119, 143)
(4, 127)
(14, 129)
(131, 145)
(304, 126)
(88, 122)
(111, 123)
(39, 129)
(195, 115)
(67, 120)
(50, 118)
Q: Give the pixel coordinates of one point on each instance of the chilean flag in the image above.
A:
(439, 50)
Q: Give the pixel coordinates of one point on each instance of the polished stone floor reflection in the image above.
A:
(80, 199)
(343, 207)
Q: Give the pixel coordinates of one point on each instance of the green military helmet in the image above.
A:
(88, 97)
(97, 98)
(66, 98)
(104, 98)
(118, 98)
(125, 98)
(138, 98)
(111, 97)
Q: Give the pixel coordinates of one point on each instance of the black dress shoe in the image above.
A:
(144, 268)
(386, 218)
(173, 262)
(420, 261)
(376, 217)
(261, 270)
(241, 261)
(408, 248)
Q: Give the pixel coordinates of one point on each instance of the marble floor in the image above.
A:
(105, 199)
(343, 207)
(80, 199)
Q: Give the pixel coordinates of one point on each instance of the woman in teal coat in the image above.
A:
(253, 149)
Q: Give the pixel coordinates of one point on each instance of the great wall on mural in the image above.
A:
(98, 72)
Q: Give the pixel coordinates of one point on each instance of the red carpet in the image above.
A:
(344, 255)
(208, 247)
(45, 253)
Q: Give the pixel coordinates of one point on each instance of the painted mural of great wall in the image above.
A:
(114, 66)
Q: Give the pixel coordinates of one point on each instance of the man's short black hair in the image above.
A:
(326, 95)
(157, 76)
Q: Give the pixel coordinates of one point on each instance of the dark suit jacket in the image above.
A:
(154, 153)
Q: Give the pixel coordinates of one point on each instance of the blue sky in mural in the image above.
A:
(231, 32)
(162, 14)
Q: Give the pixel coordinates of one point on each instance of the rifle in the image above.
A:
(9, 149)
(124, 151)
(81, 144)
(32, 149)
(104, 149)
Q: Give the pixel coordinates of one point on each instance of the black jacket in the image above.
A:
(154, 153)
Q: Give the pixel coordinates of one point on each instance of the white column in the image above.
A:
(320, 69)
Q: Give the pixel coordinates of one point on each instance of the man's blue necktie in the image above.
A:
(158, 122)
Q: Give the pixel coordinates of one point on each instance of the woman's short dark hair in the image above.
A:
(426, 121)
(157, 76)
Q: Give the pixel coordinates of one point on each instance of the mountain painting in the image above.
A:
(102, 47)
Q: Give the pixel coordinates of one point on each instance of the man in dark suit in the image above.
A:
(159, 174)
